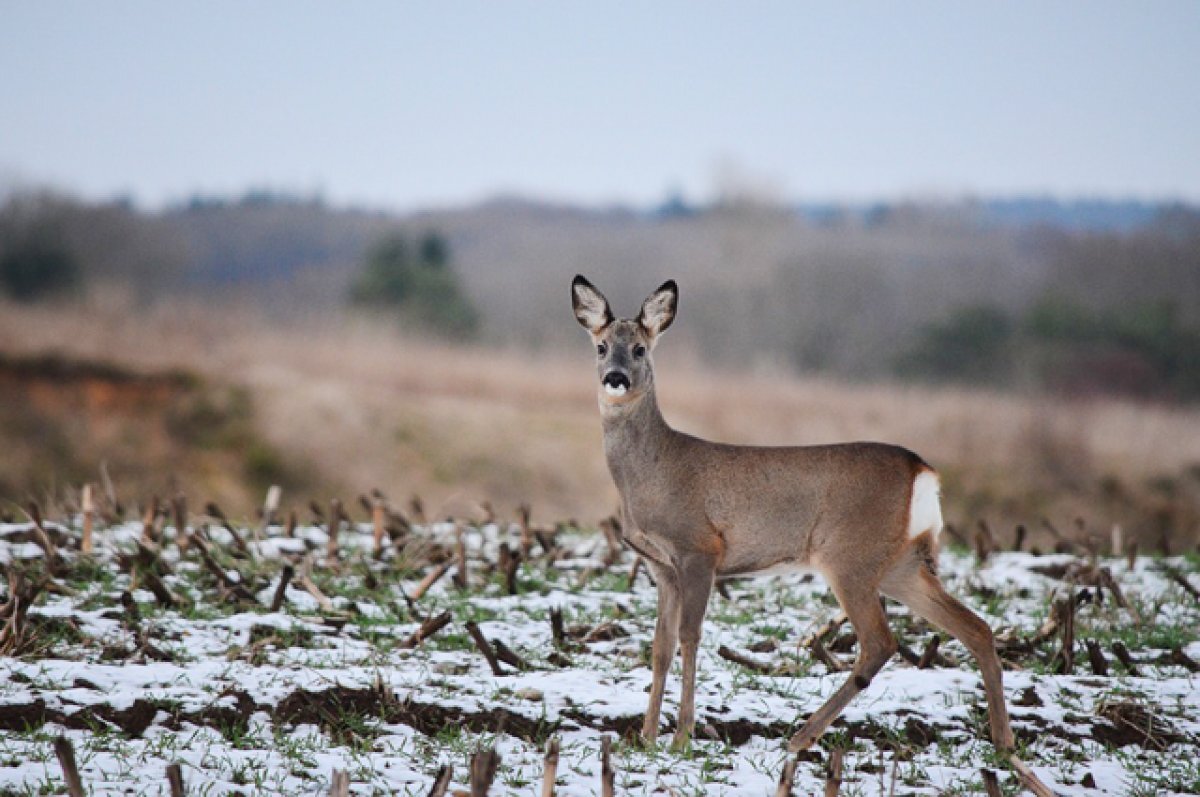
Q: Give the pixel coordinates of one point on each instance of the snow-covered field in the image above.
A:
(255, 701)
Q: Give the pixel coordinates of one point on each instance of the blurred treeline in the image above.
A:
(1078, 298)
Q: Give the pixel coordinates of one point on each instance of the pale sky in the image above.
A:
(403, 105)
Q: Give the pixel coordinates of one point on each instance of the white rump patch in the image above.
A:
(925, 508)
(614, 390)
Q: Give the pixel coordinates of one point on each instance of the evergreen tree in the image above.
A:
(420, 286)
(35, 262)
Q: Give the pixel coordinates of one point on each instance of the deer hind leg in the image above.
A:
(914, 583)
(666, 639)
(875, 646)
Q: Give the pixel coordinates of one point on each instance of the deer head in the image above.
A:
(623, 345)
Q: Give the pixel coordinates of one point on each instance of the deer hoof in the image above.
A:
(679, 742)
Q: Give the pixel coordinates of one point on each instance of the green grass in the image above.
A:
(1108, 624)
(1168, 773)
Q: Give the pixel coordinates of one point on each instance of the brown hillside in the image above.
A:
(64, 419)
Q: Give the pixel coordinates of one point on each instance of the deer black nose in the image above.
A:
(616, 379)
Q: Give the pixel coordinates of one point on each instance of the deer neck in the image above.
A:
(635, 437)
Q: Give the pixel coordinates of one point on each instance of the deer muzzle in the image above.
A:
(616, 383)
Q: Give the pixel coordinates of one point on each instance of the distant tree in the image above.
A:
(973, 345)
(387, 275)
(435, 252)
(1142, 348)
(420, 286)
(35, 262)
(675, 206)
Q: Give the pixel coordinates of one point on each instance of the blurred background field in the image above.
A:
(226, 383)
(1022, 310)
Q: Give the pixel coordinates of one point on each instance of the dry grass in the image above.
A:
(367, 408)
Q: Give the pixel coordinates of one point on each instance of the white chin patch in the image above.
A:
(614, 390)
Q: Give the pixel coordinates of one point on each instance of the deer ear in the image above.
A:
(591, 308)
(658, 311)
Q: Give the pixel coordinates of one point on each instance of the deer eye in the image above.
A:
(639, 351)
(602, 349)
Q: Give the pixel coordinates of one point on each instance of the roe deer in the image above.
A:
(864, 515)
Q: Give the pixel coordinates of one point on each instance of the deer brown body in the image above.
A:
(864, 515)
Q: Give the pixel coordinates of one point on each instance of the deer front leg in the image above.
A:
(666, 639)
(696, 581)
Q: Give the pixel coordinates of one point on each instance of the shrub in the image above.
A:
(973, 344)
(420, 286)
(34, 264)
